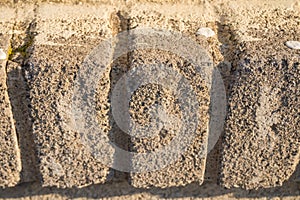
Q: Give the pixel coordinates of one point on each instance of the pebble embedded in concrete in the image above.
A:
(207, 32)
(2, 54)
(293, 44)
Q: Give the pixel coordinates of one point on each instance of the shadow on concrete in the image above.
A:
(18, 91)
(232, 56)
(121, 188)
(19, 97)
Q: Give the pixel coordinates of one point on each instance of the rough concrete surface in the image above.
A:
(261, 140)
(10, 163)
(64, 40)
(257, 154)
(191, 162)
(186, 21)
(261, 137)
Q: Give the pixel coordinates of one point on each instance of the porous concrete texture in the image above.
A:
(10, 160)
(64, 38)
(186, 21)
(257, 155)
(6, 3)
(10, 155)
(193, 160)
(261, 140)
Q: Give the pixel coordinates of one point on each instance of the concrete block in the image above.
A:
(261, 141)
(193, 160)
(191, 166)
(65, 36)
(10, 163)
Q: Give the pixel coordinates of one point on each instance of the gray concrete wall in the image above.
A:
(46, 44)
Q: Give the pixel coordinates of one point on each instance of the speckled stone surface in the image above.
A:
(260, 149)
(193, 160)
(261, 140)
(64, 160)
(10, 162)
(190, 163)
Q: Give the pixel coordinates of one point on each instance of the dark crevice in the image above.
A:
(226, 69)
(119, 22)
(18, 91)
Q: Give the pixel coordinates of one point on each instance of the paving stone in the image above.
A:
(191, 163)
(10, 163)
(261, 141)
(65, 36)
